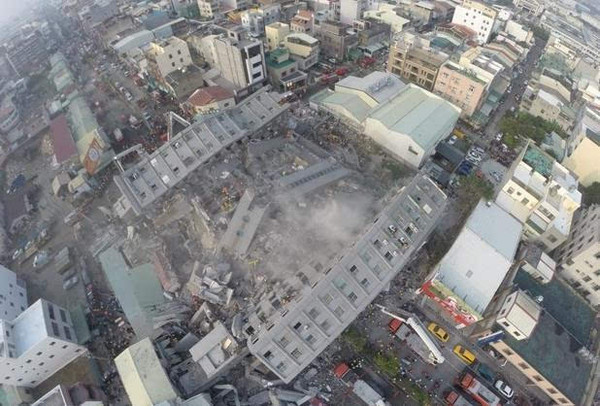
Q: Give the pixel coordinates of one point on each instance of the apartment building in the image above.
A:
(324, 298)
(209, 8)
(240, 61)
(583, 153)
(167, 56)
(351, 10)
(579, 256)
(460, 87)
(9, 115)
(574, 34)
(13, 294)
(284, 74)
(388, 17)
(542, 194)
(411, 58)
(275, 34)
(478, 17)
(535, 7)
(335, 39)
(303, 22)
(303, 48)
(27, 53)
(548, 332)
(37, 343)
(255, 20)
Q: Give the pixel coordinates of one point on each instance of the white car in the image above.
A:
(504, 389)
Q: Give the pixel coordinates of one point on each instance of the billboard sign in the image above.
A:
(92, 158)
(460, 311)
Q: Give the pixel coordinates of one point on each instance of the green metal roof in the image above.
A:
(419, 114)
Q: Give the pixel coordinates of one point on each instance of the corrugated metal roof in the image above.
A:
(419, 114)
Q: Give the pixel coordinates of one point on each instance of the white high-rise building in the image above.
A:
(478, 17)
(37, 343)
(13, 294)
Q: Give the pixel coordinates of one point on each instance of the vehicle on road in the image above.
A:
(454, 398)
(465, 355)
(69, 283)
(486, 373)
(504, 389)
(477, 390)
(438, 332)
(414, 334)
(360, 388)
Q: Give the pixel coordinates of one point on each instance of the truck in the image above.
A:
(454, 398)
(477, 390)
(35, 244)
(412, 331)
(62, 260)
(360, 388)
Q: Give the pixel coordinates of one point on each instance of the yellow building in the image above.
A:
(276, 33)
(143, 376)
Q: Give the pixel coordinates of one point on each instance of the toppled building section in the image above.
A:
(157, 173)
(287, 331)
(210, 284)
(314, 177)
(215, 350)
(243, 225)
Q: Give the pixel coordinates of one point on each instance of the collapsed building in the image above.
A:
(291, 326)
(155, 174)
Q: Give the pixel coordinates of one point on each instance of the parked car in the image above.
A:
(465, 355)
(438, 332)
(69, 283)
(504, 389)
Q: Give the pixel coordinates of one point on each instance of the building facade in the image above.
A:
(36, 344)
(478, 17)
(535, 7)
(417, 64)
(579, 256)
(303, 48)
(287, 338)
(275, 34)
(167, 56)
(240, 61)
(583, 152)
(460, 87)
(335, 39)
(13, 294)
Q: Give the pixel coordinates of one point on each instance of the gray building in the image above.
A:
(287, 338)
(155, 174)
(335, 39)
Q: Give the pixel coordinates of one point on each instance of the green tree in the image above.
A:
(355, 339)
(387, 363)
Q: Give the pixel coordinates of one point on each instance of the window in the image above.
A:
(284, 341)
(352, 297)
(170, 56)
(525, 201)
(353, 269)
(313, 313)
(41, 364)
(310, 339)
(339, 311)
(327, 298)
(281, 367)
(552, 238)
(586, 279)
(510, 190)
(51, 311)
(365, 283)
(173, 64)
(296, 353)
(538, 378)
(552, 391)
(325, 325)
(39, 353)
(52, 342)
(55, 329)
(181, 60)
(268, 355)
(67, 333)
(63, 315)
(507, 351)
(297, 326)
(179, 52)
